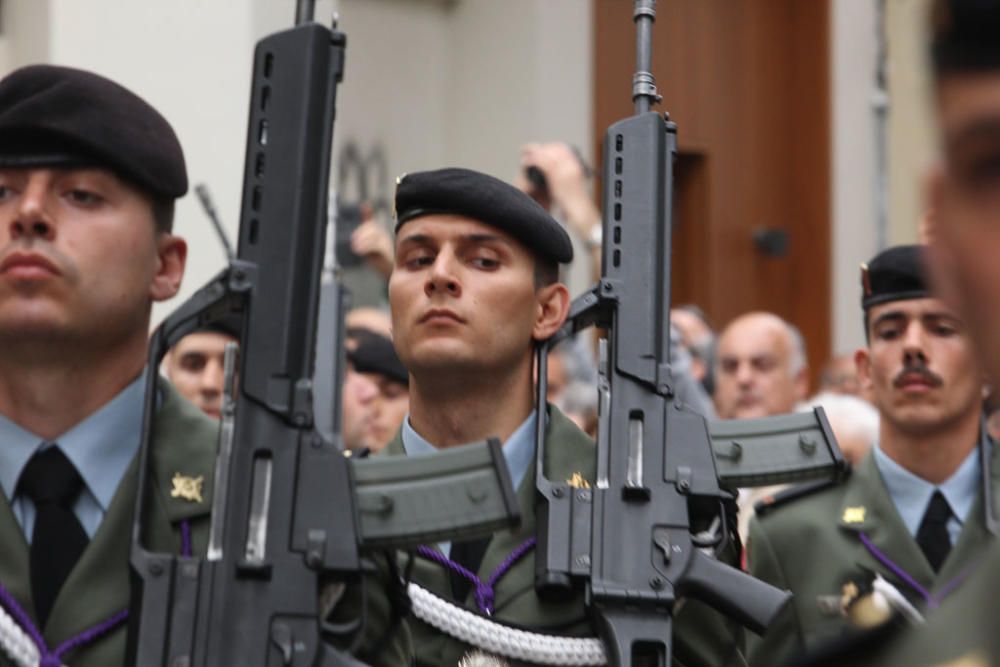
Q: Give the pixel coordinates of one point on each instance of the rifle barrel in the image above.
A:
(643, 83)
(305, 11)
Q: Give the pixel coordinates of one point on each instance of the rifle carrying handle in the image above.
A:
(733, 592)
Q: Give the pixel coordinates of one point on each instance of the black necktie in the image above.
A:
(932, 535)
(470, 556)
(58, 539)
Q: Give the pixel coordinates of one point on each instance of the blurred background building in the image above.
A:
(803, 123)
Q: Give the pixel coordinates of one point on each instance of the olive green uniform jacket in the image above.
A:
(702, 637)
(812, 546)
(98, 587)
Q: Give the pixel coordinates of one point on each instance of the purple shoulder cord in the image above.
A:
(932, 600)
(50, 658)
(484, 593)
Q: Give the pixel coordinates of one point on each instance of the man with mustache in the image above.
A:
(910, 516)
(474, 289)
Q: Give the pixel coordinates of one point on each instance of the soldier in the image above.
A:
(474, 288)
(89, 174)
(376, 394)
(88, 177)
(909, 522)
(195, 367)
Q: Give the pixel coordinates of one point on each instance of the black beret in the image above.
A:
(486, 199)
(53, 116)
(895, 274)
(964, 35)
(375, 354)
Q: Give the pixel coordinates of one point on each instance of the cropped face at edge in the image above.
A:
(79, 254)
(964, 192)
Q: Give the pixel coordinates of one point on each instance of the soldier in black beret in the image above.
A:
(474, 288)
(965, 230)
(88, 177)
(903, 533)
(376, 392)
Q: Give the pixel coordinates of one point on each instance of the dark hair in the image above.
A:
(546, 272)
(964, 36)
(163, 214)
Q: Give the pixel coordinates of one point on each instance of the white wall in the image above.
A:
(853, 231)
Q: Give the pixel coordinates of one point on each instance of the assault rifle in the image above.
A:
(636, 542)
(290, 512)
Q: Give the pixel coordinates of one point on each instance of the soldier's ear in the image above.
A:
(552, 307)
(863, 365)
(171, 256)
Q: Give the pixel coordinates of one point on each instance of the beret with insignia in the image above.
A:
(486, 199)
(895, 274)
(59, 116)
(375, 354)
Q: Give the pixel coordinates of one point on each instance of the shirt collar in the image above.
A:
(100, 447)
(517, 451)
(911, 494)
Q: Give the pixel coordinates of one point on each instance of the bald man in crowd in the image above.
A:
(760, 367)
(760, 371)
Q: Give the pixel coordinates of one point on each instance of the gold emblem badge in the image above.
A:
(187, 488)
(854, 515)
(577, 481)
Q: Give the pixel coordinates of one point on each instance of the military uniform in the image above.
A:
(815, 545)
(98, 587)
(701, 636)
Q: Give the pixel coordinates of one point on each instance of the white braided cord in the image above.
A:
(16, 643)
(503, 640)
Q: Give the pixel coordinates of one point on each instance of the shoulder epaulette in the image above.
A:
(785, 496)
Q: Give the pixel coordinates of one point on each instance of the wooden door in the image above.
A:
(747, 82)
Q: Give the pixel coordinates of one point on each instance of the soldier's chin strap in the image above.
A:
(503, 640)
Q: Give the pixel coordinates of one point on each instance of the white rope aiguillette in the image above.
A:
(16, 643)
(503, 640)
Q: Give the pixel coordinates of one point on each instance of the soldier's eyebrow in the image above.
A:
(983, 129)
(891, 316)
(415, 239)
(482, 238)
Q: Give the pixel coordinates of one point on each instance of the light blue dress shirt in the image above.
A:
(911, 494)
(518, 452)
(101, 447)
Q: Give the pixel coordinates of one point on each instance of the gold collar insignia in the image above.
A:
(854, 515)
(187, 488)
